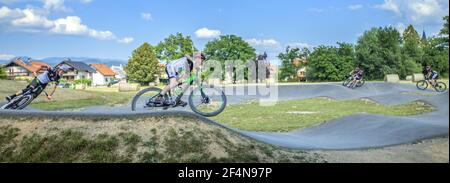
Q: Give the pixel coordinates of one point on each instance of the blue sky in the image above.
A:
(112, 29)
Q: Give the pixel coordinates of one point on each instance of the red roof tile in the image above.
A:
(103, 69)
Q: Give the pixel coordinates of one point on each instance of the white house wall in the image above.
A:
(83, 75)
(98, 79)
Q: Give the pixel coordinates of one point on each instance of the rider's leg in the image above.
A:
(184, 87)
(173, 82)
(434, 78)
(32, 85)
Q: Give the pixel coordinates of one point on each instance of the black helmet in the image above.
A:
(203, 56)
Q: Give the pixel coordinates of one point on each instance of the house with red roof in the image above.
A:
(19, 68)
(103, 75)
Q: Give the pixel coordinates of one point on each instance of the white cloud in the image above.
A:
(262, 42)
(29, 18)
(300, 45)
(55, 5)
(206, 33)
(417, 11)
(126, 40)
(389, 5)
(33, 21)
(147, 16)
(355, 7)
(6, 56)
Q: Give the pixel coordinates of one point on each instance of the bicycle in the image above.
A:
(358, 83)
(23, 100)
(438, 86)
(204, 101)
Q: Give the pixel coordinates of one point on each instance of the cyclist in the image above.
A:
(177, 71)
(357, 75)
(431, 75)
(50, 75)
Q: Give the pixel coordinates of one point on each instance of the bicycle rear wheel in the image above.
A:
(347, 81)
(142, 98)
(422, 85)
(207, 102)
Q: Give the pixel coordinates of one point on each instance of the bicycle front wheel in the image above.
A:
(422, 85)
(440, 87)
(361, 83)
(207, 102)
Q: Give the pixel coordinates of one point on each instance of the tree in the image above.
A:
(378, 52)
(329, 63)
(143, 65)
(231, 48)
(412, 53)
(444, 32)
(2, 72)
(288, 70)
(436, 56)
(175, 47)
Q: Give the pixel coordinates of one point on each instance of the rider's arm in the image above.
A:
(53, 91)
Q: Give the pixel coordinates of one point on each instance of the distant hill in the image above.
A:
(56, 60)
(110, 62)
(3, 62)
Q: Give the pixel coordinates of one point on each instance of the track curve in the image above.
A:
(350, 132)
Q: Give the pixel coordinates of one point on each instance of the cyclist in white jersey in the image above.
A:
(177, 71)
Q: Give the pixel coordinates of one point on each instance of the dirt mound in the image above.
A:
(141, 139)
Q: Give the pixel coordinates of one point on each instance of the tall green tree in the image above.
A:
(412, 53)
(436, 55)
(229, 47)
(378, 52)
(174, 47)
(143, 64)
(288, 70)
(329, 63)
(436, 51)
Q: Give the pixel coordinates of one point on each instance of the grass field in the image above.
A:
(69, 98)
(142, 140)
(291, 115)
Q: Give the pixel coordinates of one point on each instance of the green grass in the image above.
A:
(291, 115)
(96, 99)
(68, 146)
(68, 98)
(176, 146)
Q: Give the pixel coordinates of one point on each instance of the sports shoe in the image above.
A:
(182, 103)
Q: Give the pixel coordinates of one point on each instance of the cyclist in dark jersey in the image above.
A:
(50, 75)
(357, 75)
(431, 74)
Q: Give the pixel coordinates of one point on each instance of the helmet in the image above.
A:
(201, 56)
